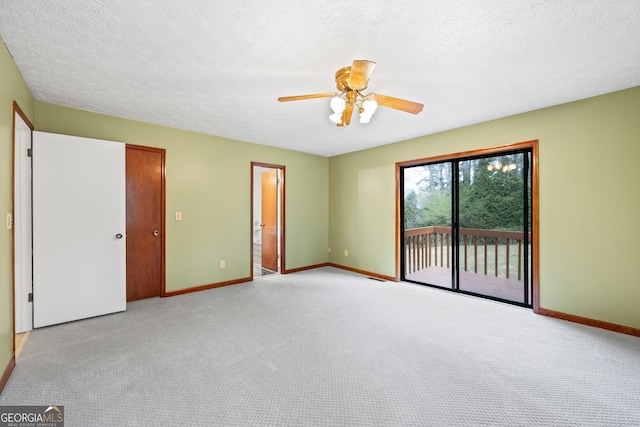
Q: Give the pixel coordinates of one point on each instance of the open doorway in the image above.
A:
(267, 212)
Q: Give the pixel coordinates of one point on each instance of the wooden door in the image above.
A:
(145, 222)
(78, 228)
(270, 220)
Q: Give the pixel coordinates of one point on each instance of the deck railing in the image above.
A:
(489, 252)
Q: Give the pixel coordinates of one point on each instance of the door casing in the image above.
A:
(255, 166)
(21, 226)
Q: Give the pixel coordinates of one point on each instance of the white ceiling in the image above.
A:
(218, 67)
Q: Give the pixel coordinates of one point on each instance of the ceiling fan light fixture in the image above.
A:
(336, 117)
(365, 118)
(338, 104)
(369, 107)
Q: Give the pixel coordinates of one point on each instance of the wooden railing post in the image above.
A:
(496, 258)
(519, 258)
(508, 243)
(464, 238)
(475, 254)
(486, 258)
(448, 243)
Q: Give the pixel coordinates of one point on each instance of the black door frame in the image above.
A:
(530, 147)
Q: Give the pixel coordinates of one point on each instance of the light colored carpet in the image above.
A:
(329, 348)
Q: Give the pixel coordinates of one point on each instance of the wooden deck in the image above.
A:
(497, 287)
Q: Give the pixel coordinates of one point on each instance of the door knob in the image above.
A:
(156, 233)
(118, 236)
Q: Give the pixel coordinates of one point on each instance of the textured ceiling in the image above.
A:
(218, 67)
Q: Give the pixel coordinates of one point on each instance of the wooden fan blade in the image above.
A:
(398, 104)
(299, 97)
(346, 115)
(359, 75)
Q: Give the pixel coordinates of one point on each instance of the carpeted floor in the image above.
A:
(329, 348)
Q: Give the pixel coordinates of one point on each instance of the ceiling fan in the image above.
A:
(351, 81)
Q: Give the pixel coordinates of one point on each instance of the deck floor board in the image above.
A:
(497, 287)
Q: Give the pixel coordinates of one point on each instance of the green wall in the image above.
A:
(12, 88)
(588, 191)
(208, 180)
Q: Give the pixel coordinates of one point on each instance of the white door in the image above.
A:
(22, 226)
(79, 223)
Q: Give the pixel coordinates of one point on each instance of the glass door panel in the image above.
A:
(428, 244)
(492, 205)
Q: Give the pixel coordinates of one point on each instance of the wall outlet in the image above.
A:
(328, 250)
(222, 264)
(346, 252)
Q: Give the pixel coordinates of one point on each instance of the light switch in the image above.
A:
(9, 220)
(178, 216)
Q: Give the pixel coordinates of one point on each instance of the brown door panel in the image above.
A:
(145, 231)
(270, 220)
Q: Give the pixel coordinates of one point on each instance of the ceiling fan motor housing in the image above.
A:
(342, 78)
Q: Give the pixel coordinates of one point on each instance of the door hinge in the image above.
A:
(29, 152)
(30, 297)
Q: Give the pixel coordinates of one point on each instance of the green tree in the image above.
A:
(412, 212)
(490, 194)
(494, 199)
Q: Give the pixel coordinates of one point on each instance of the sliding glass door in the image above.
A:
(467, 225)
